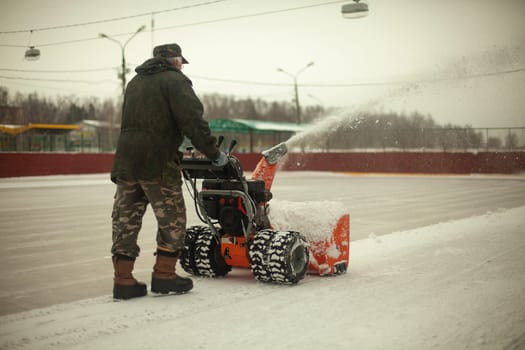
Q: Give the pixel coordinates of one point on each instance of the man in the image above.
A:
(160, 108)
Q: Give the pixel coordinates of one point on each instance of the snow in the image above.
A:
(314, 219)
(458, 284)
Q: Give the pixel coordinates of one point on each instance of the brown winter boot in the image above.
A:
(125, 286)
(164, 280)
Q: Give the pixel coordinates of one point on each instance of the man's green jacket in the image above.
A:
(160, 108)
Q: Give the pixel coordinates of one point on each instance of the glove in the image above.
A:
(221, 161)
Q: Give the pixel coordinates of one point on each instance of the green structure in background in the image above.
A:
(254, 135)
(94, 136)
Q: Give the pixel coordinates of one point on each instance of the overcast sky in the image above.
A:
(461, 62)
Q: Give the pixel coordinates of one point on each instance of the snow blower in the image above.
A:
(238, 231)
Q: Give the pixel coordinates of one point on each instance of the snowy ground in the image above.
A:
(448, 272)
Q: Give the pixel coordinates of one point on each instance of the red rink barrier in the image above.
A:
(34, 164)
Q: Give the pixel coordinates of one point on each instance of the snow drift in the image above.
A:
(454, 285)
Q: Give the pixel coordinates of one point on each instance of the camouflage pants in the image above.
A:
(131, 200)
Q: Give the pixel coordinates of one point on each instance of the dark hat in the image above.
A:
(169, 50)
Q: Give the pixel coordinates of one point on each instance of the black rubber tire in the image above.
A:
(208, 258)
(258, 255)
(187, 260)
(288, 257)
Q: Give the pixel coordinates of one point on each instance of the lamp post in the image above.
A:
(121, 75)
(124, 70)
(296, 90)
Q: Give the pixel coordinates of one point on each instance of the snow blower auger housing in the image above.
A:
(238, 232)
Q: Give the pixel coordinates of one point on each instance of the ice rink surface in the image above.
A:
(418, 237)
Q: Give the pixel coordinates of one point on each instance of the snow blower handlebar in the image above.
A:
(203, 168)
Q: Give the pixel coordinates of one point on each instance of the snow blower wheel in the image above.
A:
(208, 258)
(279, 257)
(201, 256)
(187, 260)
(258, 255)
(288, 257)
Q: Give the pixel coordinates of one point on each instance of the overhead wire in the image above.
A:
(223, 19)
(60, 80)
(110, 19)
(265, 13)
(357, 84)
(316, 85)
(48, 87)
(57, 71)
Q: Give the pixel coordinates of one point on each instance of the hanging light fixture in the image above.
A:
(32, 53)
(356, 9)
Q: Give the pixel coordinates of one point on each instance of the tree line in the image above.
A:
(34, 108)
(389, 131)
(367, 130)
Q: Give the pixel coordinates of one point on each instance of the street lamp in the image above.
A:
(124, 70)
(121, 75)
(355, 10)
(294, 77)
(32, 53)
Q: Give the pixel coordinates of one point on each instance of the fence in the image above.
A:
(432, 139)
(83, 141)
(387, 140)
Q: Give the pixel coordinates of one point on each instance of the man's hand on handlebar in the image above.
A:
(221, 161)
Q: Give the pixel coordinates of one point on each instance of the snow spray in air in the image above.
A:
(349, 118)
(447, 76)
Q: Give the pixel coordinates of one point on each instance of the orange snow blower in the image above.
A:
(238, 231)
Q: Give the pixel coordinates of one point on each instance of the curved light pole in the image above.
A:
(124, 70)
(121, 75)
(317, 99)
(296, 90)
